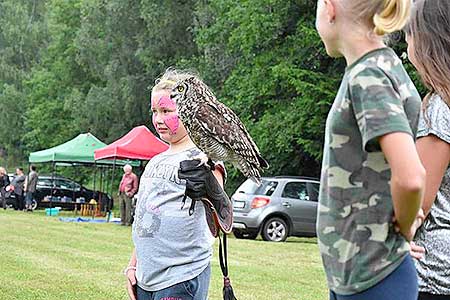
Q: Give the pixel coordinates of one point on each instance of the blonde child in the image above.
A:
(371, 172)
(173, 247)
(428, 37)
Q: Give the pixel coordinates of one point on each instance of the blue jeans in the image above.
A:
(29, 198)
(194, 289)
(399, 285)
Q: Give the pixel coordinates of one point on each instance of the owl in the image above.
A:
(215, 128)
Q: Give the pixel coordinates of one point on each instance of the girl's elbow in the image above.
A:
(415, 182)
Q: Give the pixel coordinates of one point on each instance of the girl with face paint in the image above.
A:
(165, 118)
(165, 235)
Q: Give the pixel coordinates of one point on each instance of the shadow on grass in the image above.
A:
(309, 240)
(290, 240)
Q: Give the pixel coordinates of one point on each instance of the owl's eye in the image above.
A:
(180, 88)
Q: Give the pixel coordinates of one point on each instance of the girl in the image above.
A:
(428, 37)
(371, 171)
(173, 248)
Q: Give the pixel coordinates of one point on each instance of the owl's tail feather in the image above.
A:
(256, 179)
(262, 162)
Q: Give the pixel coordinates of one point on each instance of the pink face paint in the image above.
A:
(165, 101)
(171, 121)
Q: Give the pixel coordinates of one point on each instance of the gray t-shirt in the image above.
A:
(31, 182)
(434, 235)
(171, 246)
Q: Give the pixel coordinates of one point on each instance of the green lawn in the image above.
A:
(44, 258)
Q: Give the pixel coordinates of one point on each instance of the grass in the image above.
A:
(44, 258)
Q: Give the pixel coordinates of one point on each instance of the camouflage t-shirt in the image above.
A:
(357, 241)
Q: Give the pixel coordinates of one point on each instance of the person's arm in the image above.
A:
(407, 179)
(435, 156)
(135, 185)
(130, 273)
(25, 185)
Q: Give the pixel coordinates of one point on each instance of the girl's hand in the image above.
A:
(416, 251)
(409, 235)
(130, 273)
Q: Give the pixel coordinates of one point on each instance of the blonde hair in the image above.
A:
(170, 77)
(2, 171)
(384, 16)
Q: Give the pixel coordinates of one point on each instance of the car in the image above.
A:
(281, 206)
(67, 194)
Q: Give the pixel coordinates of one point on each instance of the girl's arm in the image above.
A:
(130, 273)
(435, 156)
(407, 179)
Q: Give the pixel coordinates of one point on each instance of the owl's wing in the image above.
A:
(223, 125)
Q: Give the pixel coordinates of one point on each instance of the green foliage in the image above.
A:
(269, 66)
(71, 66)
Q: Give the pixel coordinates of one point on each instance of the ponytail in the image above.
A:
(393, 16)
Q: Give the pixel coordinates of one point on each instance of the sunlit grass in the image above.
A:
(44, 258)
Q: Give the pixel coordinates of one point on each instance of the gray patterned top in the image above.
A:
(171, 245)
(434, 235)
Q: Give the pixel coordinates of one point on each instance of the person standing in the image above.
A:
(127, 189)
(371, 171)
(30, 187)
(172, 242)
(428, 38)
(18, 187)
(4, 182)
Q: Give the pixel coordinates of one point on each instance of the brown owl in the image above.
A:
(216, 129)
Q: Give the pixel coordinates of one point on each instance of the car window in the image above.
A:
(295, 190)
(44, 182)
(66, 184)
(313, 191)
(266, 188)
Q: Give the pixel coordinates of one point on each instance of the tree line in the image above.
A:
(72, 66)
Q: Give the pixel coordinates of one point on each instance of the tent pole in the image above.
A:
(112, 181)
(53, 185)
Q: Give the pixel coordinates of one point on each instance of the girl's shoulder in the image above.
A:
(438, 105)
(435, 118)
(381, 61)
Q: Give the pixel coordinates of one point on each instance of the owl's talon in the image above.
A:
(203, 158)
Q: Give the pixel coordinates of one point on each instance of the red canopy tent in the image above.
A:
(140, 143)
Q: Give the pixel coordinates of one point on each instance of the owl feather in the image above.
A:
(216, 129)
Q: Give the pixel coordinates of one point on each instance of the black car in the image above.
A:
(64, 193)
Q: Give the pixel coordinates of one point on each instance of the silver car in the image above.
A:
(281, 206)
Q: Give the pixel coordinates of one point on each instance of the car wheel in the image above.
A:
(245, 235)
(34, 204)
(275, 230)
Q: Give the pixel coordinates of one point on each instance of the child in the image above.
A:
(371, 172)
(428, 37)
(173, 248)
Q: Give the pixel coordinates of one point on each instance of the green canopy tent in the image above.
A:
(78, 151)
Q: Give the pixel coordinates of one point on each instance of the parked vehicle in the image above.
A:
(64, 193)
(281, 206)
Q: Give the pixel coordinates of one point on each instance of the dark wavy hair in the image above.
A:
(429, 28)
